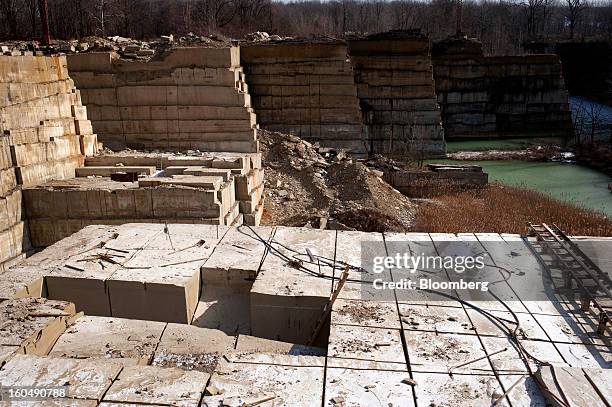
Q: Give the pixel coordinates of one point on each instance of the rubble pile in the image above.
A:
(307, 185)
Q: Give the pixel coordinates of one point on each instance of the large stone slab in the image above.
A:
(32, 325)
(157, 386)
(82, 379)
(267, 381)
(237, 257)
(128, 341)
(289, 294)
(192, 348)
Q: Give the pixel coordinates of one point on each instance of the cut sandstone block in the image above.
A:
(33, 324)
(127, 341)
(192, 348)
(296, 381)
(22, 281)
(84, 379)
(237, 257)
(107, 171)
(82, 280)
(286, 302)
(208, 182)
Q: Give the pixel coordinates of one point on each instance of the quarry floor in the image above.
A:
(220, 315)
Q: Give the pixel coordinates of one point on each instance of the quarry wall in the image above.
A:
(185, 99)
(44, 135)
(381, 94)
(395, 86)
(499, 96)
(306, 89)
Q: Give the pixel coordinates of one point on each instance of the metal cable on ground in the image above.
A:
(525, 355)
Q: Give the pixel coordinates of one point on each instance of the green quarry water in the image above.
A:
(572, 183)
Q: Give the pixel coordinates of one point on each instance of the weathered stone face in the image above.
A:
(396, 91)
(484, 96)
(194, 98)
(44, 136)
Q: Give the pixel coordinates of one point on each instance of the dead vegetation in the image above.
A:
(306, 188)
(503, 209)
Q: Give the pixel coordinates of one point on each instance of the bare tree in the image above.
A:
(10, 11)
(574, 12)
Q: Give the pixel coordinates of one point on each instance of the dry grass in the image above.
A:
(502, 209)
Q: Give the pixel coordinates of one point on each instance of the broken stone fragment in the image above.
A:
(213, 391)
(409, 381)
(337, 400)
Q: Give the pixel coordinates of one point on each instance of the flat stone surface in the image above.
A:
(156, 385)
(525, 393)
(374, 344)
(33, 324)
(280, 385)
(587, 356)
(237, 257)
(349, 246)
(18, 282)
(85, 379)
(571, 384)
(53, 403)
(192, 348)
(131, 341)
(528, 326)
(365, 313)
(431, 352)
(280, 277)
(367, 387)
(434, 389)
(435, 318)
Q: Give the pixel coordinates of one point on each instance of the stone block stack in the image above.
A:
(44, 119)
(244, 168)
(395, 85)
(13, 235)
(44, 135)
(212, 188)
(484, 96)
(306, 89)
(187, 99)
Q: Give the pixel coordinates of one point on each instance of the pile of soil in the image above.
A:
(314, 187)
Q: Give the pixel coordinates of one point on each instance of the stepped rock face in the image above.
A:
(394, 77)
(187, 99)
(306, 89)
(44, 136)
(499, 96)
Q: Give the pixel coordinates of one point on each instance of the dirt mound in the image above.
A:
(323, 188)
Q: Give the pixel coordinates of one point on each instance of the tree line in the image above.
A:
(502, 25)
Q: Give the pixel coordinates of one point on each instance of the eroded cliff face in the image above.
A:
(484, 96)
(306, 89)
